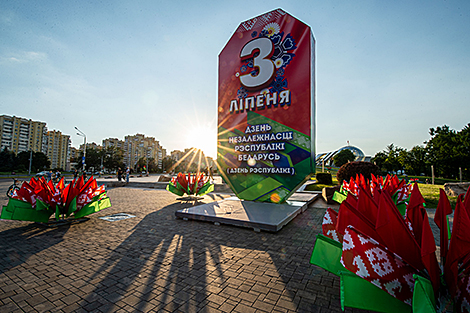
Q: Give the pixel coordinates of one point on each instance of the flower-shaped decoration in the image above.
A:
(38, 199)
(386, 259)
(190, 184)
(271, 29)
(242, 93)
(282, 47)
(279, 84)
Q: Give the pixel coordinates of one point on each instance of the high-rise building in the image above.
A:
(20, 134)
(139, 146)
(112, 142)
(58, 149)
(91, 145)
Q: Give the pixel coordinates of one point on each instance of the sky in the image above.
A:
(386, 71)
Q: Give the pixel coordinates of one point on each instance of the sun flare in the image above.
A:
(203, 138)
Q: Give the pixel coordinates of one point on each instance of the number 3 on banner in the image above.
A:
(262, 61)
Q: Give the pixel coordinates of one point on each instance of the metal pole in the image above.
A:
(82, 134)
(432, 174)
(31, 160)
(147, 158)
(460, 172)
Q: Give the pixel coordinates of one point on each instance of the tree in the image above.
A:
(379, 160)
(343, 157)
(389, 159)
(92, 158)
(39, 162)
(153, 166)
(22, 161)
(168, 164)
(442, 151)
(7, 160)
(141, 164)
(414, 161)
(113, 158)
(448, 151)
(392, 163)
(462, 150)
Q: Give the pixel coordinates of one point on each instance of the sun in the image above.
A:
(203, 138)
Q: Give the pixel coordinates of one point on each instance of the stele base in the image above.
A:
(257, 215)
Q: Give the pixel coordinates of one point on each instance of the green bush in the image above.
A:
(324, 178)
(343, 157)
(352, 169)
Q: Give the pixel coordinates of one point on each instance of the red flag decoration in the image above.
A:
(440, 218)
(466, 201)
(428, 252)
(349, 215)
(399, 189)
(330, 220)
(368, 204)
(370, 260)
(416, 198)
(26, 193)
(418, 220)
(397, 237)
(459, 246)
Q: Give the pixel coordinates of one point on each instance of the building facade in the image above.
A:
(113, 142)
(58, 149)
(20, 134)
(138, 146)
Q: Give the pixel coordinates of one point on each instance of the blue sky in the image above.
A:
(387, 71)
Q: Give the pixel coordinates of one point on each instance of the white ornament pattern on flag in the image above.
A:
(368, 259)
(329, 225)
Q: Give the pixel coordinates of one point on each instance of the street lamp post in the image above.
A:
(149, 150)
(30, 160)
(102, 156)
(82, 134)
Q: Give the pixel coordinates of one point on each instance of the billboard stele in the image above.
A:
(266, 107)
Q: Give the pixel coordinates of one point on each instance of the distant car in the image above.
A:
(43, 173)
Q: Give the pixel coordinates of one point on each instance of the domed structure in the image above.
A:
(327, 158)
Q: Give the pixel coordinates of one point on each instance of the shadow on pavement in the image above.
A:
(175, 264)
(19, 244)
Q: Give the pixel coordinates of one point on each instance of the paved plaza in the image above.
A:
(157, 263)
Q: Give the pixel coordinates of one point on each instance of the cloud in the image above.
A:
(23, 57)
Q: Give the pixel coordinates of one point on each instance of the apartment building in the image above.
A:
(112, 142)
(20, 134)
(58, 149)
(91, 145)
(138, 146)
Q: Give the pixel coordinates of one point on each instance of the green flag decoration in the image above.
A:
(327, 254)
(423, 296)
(356, 292)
